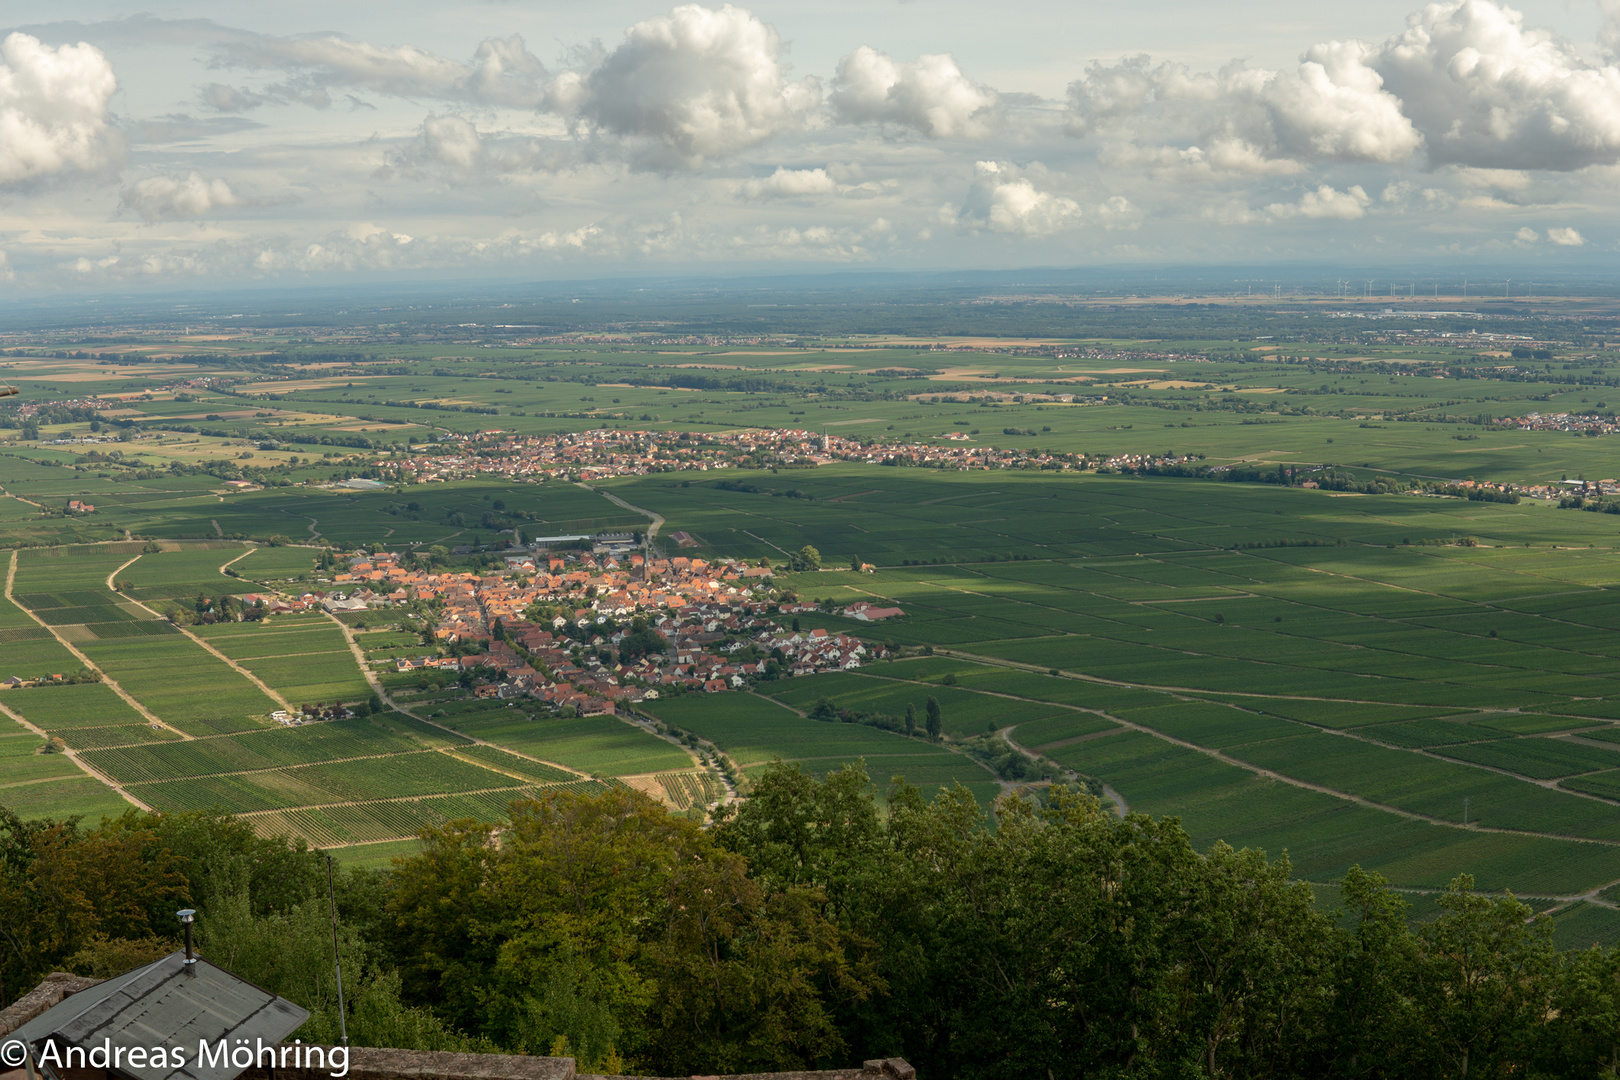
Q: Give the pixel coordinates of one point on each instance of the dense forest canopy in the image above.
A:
(815, 925)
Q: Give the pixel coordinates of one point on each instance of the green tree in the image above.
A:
(619, 929)
(911, 719)
(1584, 1034)
(1482, 980)
(935, 719)
(1373, 980)
(809, 558)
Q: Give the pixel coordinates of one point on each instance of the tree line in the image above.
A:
(818, 924)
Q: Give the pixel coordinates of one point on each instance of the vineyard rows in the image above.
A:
(261, 749)
(334, 826)
(686, 789)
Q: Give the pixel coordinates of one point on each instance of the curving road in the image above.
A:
(657, 519)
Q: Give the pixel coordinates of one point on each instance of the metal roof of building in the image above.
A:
(161, 1005)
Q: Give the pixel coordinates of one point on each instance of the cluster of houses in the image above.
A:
(591, 455)
(1579, 423)
(1147, 461)
(554, 627)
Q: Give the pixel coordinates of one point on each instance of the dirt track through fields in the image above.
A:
(110, 683)
(83, 766)
(232, 664)
(1184, 694)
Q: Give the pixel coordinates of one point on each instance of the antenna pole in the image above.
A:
(331, 891)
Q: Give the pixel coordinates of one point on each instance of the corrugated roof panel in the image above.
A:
(161, 1005)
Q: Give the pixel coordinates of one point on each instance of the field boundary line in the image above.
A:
(263, 686)
(393, 799)
(111, 683)
(1120, 806)
(657, 519)
(1322, 789)
(279, 768)
(83, 766)
(247, 550)
(462, 756)
(1006, 785)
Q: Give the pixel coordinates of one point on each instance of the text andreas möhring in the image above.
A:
(221, 1053)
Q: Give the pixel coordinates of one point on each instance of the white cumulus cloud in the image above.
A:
(690, 86)
(1467, 84)
(159, 198)
(930, 94)
(1243, 120)
(53, 109)
(1486, 91)
(1336, 107)
(1565, 237)
(452, 147)
(787, 183)
(1003, 201)
(1325, 202)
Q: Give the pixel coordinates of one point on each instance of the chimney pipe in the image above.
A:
(187, 917)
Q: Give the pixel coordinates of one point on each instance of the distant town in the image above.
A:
(584, 631)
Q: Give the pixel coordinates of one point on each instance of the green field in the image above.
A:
(600, 745)
(305, 658)
(183, 573)
(49, 785)
(755, 731)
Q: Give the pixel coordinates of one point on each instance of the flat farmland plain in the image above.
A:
(1331, 676)
(1341, 651)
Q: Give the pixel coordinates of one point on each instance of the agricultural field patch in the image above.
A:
(1540, 759)
(79, 796)
(422, 773)
(1423, 734)
(59, 709)
(599, 745)
(181, 682)
(755, 731)
(1062, 728)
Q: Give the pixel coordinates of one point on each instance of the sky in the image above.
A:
(183, 144)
